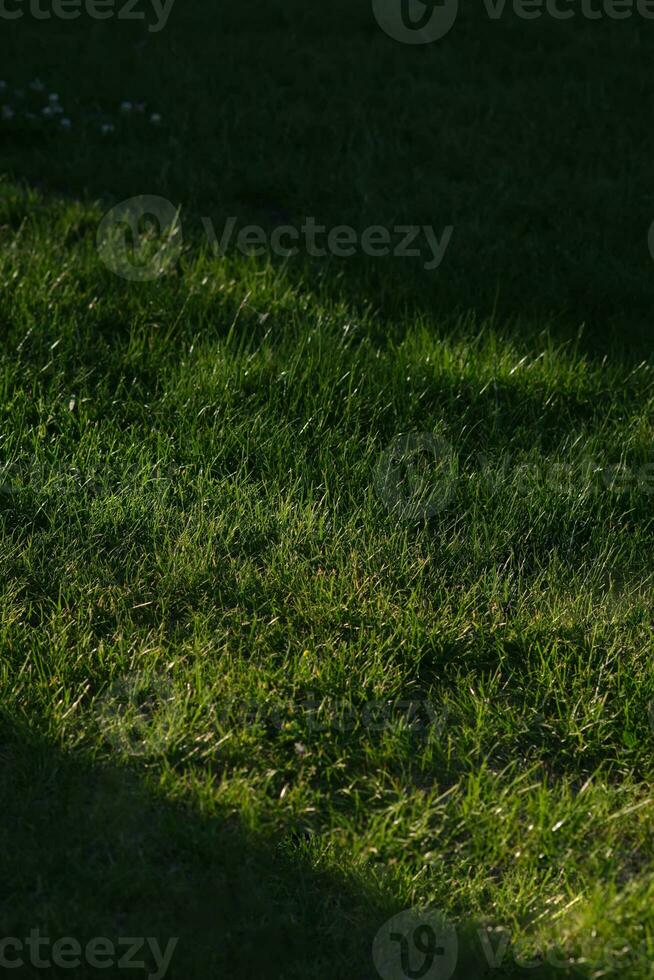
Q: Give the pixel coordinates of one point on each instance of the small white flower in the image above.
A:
(53, 97)
(155, 118)
(106, 128)
(126, 106)
(37, 85)
(48, 112)
(65, 123)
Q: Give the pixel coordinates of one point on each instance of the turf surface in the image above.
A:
(267, 678)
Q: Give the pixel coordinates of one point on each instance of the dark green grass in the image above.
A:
(204, 588)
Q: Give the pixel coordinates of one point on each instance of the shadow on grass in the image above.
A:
(273, 112)
(96, 850)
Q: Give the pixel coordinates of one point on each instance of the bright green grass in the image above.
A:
(190, 509)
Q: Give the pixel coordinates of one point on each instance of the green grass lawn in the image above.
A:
(267, 679)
